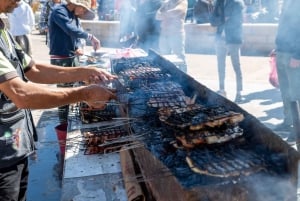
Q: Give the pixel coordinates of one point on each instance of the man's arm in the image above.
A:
(52, 74)
(36, 96)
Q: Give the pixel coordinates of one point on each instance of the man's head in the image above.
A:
(7, 6)
(82, 9)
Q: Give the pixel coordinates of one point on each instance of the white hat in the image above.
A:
(89, 15)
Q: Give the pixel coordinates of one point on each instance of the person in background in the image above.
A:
(228, 41)
(288, 65)
(202, 11)
(44, 17)
(94, 5)
(22, 88)
(172, 15)
(21, 23)
(66, 36)
(147, 27)
(127, 19)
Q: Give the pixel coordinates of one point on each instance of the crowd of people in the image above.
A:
(159, 26)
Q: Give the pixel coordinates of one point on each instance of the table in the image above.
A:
(90, 177)
(98, 176)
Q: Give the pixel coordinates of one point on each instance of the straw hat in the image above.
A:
(89, 15)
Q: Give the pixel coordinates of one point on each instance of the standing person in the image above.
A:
(44, 17)
(202, 10)
(21, 22)
(66, 36)
(288, 65)
(172, 15)
(228, 41)
(127, 19)
(147, 27)
(20, 92)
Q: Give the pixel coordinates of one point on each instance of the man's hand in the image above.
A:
(95, 43)
(79, 52)
(97, 76)
(97, 96)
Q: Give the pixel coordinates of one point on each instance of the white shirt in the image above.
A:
(21, 20)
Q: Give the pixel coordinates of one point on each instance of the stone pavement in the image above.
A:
(261, 100)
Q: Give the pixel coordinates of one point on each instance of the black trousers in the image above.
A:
(68, 62)
(14, 181)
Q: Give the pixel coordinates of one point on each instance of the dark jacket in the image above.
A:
(17, 131)
(287, 39)
(65, 32)
(233, 25)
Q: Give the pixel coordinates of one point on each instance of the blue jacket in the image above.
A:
(233, 26)
(287, 39)
(65, 32)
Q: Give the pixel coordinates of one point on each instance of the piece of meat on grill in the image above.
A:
(215, 121)
(223, 164)
(198, 117)
(191, 139)
(208, 171)
(108, 147)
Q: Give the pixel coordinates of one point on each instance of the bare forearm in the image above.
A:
(35, 96)
(51, 74)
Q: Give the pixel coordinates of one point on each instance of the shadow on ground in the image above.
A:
(267, 97)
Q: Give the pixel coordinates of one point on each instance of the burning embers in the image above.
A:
(104, 140)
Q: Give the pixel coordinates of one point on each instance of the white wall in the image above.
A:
(258, 38)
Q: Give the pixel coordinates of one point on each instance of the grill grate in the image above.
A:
(104, 140)
(89, 115)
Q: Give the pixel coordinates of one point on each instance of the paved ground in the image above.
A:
(261, 99)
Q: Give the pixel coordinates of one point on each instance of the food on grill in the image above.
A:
(165, 94)
(166, 100)
(91, 60)
(196, 117)
(209, 136)
(103, 149)
(104, 140)
(222, 164)
(164, 86)
(197, 125)
(89, 115)
(138, 76)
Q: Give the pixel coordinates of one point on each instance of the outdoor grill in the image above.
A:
(196, 144)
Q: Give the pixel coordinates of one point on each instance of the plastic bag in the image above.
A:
(273, 77)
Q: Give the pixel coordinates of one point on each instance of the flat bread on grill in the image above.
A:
(191, 139)
(196, 117)
(225, 165)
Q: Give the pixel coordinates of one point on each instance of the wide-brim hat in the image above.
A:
(89, 15)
